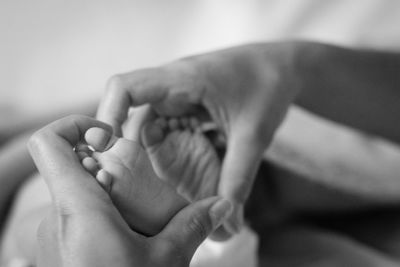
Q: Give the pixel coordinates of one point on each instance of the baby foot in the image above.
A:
(183, 156)
(123, 169)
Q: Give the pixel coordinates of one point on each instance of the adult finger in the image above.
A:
(130, 89)
(191, 226)
(137, 119)
(52, 151)
(239, 167)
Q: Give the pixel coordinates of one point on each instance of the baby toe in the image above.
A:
(184, 122)
(173, 124)
(104, 179)
(152, 134)
(162, 122)
(82, 155)
(194, 123)
(99, 139)
(91, 165)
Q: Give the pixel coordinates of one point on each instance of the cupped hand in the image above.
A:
(85, 229)
(246, 91)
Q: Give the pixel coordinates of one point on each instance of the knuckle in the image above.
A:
(199, 226)
(36, 140)
(33, 140)
(64, 208)
(73, 118)
(115, 82)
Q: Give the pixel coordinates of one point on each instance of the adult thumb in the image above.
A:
(192, 225)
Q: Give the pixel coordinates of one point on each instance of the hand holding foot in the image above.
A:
(85, 229)
(245, 90)
(123, 169)
(183, 156)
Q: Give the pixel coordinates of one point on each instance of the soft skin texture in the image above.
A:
(247, 90)
(230, 86)
(182, 156)
(146, 202)
(85, 229)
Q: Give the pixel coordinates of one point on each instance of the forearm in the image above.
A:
(364, 168)
(359, 88)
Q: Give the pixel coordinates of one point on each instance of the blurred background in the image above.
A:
(56, 53)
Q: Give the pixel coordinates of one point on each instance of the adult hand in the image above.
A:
(85, 229)
(245, 90)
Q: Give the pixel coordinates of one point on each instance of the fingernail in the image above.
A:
(219, 212)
